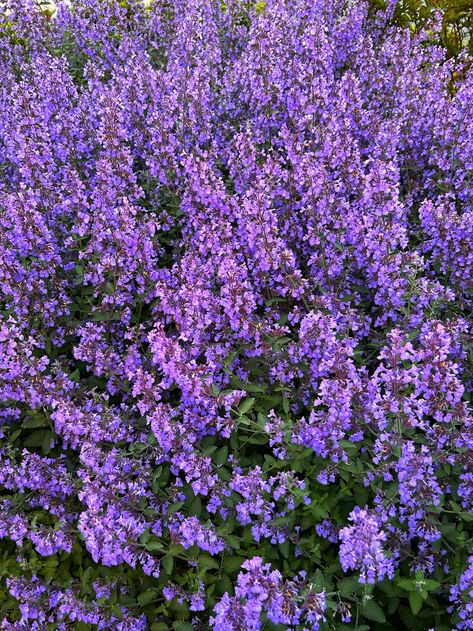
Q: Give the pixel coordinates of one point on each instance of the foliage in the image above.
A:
(456, 20)
(236, 248)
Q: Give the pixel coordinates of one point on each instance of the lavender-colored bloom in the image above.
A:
(236, 254)
(461, 595)
(362, 549)
(262, 590)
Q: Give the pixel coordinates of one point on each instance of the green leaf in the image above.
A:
(100, 317)
(38, 420)
(152, 546)
(147, 597)
(271, 401)
(46, 444)
(34, 439)
(409, 584)
(252, 387)
(258, 440)
(15, 435)
(175, 507)
(86, 575)
(409, 620)
(285, 548)
(246, 405)
(232, 564)
(466, 516)
(393, 604)
(116, 610)
(431, 585)
(318, 581)
(221, 456)
(168, 564)
(196, 506)
(415, 601)
(181, 625)
(40, 438)
(260, 8)
(75, 375)
(372, 611)
(207, 563)
(228, 360)
(233, 541)
(347, 586)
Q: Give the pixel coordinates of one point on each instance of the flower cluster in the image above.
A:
(42, 606)
(261, 590)
(462, 596)
(362, 547)
(236, 250)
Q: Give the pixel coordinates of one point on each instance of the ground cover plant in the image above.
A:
(236, 277)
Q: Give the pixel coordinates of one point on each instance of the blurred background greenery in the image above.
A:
(457, 19)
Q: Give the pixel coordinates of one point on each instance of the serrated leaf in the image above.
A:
(409, 584)
(181, 625)
(271, 401)
(466, 516)
(258, 440)
(116, 610)
(46, 443)
(228, 360)
(99, 317)
(38, 420)
(168, 564)
(15, 435)
(246, 405)
(75, 375)
(372, 611)
(285, 548)
(221, 455)
(40, 438)
(252, 387)
(147, 597)
(34, 439)
(232, 564)
(175, 507)
(233, 541)
(244, 420)
(196, 506)
(318, 581)
(207, 563)
(409, 620)
(154, 545)
(393, 604)
(415, 601)
(347, 586)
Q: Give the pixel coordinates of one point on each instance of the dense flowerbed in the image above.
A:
(236, 278)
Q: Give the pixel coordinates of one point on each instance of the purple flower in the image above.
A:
(361, 547)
